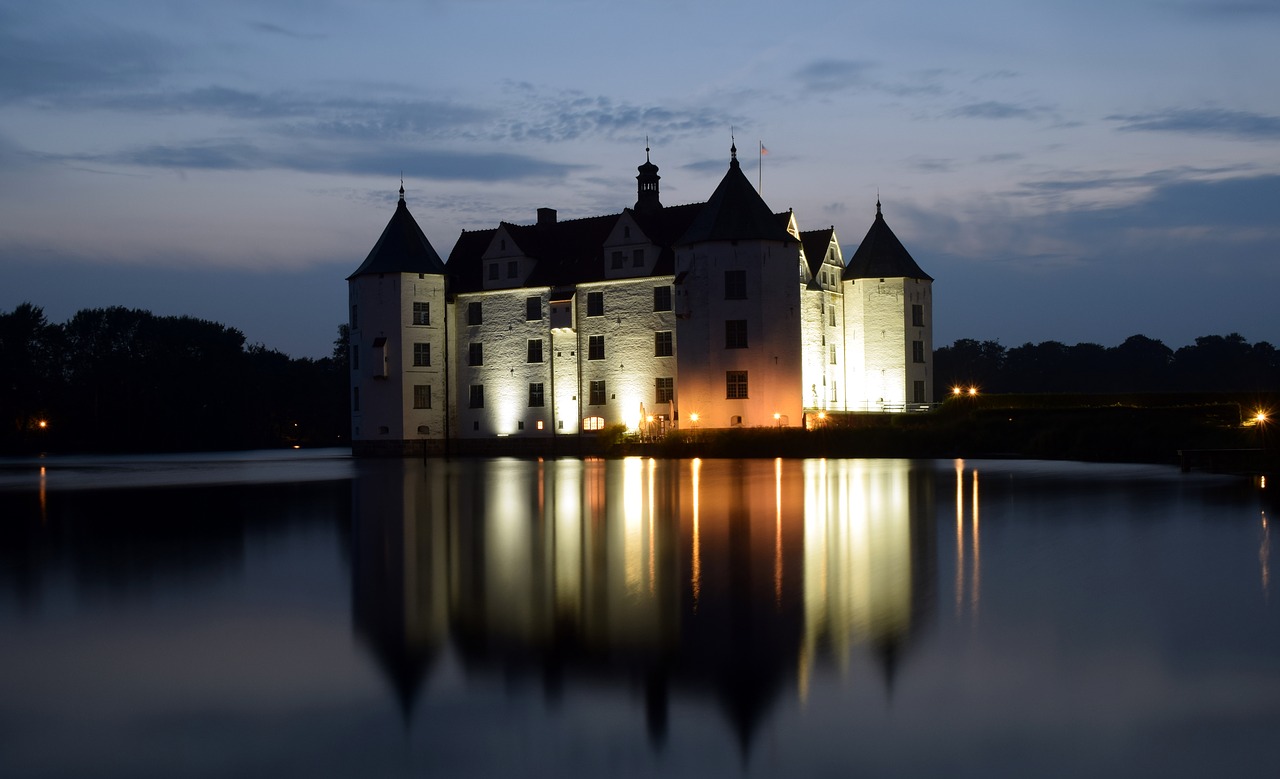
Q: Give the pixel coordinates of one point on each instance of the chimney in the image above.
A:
(546, 216)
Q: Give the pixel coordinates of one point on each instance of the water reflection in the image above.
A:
(727, 581)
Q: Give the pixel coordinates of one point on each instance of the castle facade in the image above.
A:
(709, 315)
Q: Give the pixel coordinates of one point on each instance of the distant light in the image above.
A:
(776, 416)
(539, 424)
(1259, 418)
(973, 391)
(649, 419)
(295, 446)
(42, 424)
(693, 417)
(956, 390)
(822, 415)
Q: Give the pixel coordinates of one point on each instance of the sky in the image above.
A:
(1079, 171)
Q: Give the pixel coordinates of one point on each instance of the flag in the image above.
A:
(763, 150)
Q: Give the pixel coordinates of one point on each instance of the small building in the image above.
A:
(712, 315)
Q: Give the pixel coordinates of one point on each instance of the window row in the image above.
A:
(534, 307)
(619, 259)
(664, 392)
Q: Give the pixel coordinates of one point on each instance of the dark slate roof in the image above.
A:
(402, 248)
(567, 252)
(881, 255)
(735, 212)
(816, 243)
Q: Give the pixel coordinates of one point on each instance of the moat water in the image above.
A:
(306, 614)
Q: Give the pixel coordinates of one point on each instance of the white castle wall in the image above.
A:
(385, 377)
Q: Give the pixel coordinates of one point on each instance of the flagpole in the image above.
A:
(760, 167)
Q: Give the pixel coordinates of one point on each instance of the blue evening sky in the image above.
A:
(1075, 171)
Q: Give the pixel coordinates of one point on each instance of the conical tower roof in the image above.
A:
(735, 212)
(402, 248)
(881, 255)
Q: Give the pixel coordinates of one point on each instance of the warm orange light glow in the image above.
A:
(776, 416)
(822, 415)
(42, 424)
(956, 390)
(694, 417)
(1260, 417)
(649, 419)
(973, 391)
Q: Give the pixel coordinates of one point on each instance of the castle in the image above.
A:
(709, 315)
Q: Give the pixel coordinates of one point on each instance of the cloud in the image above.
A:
(571, 115)
(243, 155)
(1241, 9)
(275, 29)
(1243, 125)
(829, 75)
(992, 109)
(78, 63)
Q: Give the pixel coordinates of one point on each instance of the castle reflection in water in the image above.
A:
(725, 580)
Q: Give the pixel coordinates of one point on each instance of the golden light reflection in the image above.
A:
(695, 576)
(959, 534)
(976, 590)
(970, 559)
(777, 538)
(44, 497)
(632, 523)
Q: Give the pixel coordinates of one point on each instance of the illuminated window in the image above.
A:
(475, 355)
(533, 309)
(535, 396)
(665, 389)
(735, 334)
(735, 385)
(593, 423)
(474, 316)
(662, 343)
(421, 355)
(535, 350)
(831, 316)
(421, 313)
(662, 298)
(477, 396)
(597, 394)
(832, 350)
(422, 396)
(735, 285)
(595, 347)
(595, 304)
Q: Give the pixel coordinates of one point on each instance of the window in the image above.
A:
(617, 260)
(662, 343)
(735, 285)
(917, 315)
(595, 304)
(421, 355)
(832, 349)
(474, 316)
(831, 316)
(735, 334)
(595, 347)
(593, 423)
(637, 258)
(355, 357)
(535, 350)
(477, 396)
(355, 320)
(735, 385)
(664, 389)
(917, 351)
(355, 398)
(421, 313)
(917, 391)
(535, 395)
(597, 394)
(662, 298)
(475, 355)
(422, 396)
(513, 268)
(532, 309)
(493, 271)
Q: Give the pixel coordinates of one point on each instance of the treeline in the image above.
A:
(1214, 363)
(118, 379)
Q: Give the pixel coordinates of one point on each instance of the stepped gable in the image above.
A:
(881, 255)
(402, 248)
(735, 212)
(816, 243)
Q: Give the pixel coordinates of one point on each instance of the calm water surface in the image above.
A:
(303, 613)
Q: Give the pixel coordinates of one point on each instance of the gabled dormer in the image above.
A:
(824, 262)
(628, 251)
(505, 263)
